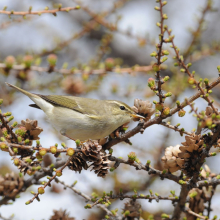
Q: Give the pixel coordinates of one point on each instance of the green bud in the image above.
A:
(70, 151)
(151, 82)
(166, 111)
(159, 107)
(27, 141)
(154, 54)
(181, 113)
(165, 16)
(191, 80)
(158, 24)
(127, 213)
(165, 52)
(63, 144)
(15, 150)
(168, 94)
(14, 124)
(42, 151)
(9, 61)
(189, 65)
(166, 78)
(41, 190)
(77, 142)
(132, 157)
(52, 60)
(164, 59)
(165, 215)
(27, 203)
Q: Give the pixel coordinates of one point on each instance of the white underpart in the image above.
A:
(44, 105)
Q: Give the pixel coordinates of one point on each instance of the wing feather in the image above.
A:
(79, 104)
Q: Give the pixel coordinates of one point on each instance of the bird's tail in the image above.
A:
(30, 95)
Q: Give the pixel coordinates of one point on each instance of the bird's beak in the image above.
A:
(136, 116)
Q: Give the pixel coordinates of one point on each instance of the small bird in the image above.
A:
(82, 118)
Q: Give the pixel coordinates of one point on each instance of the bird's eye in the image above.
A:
(122, 107)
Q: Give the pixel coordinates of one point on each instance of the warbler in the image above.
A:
(82, 118)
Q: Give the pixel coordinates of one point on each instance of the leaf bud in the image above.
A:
(16, 162)
(15, 150)
(70, 151)
(77, 142)
(156, 67)
(52, 60)
(168, 94)
(151, 82)
(42, 151)
(159, 106)
(208, 122)
(127, 213)
(206, 81)
(181, 113)
(3, 146)
(166, 78)
(41, 190)
(53, 149)
(165, 16)
(178, 102)
(9, 62)
(28, 60)
(154, 54)
(132, 157)
(59, 173)
(191, 80)
(158, 24)
(189, 65)
(63, 144)
(164, 59)
(19, 139)
(109, 64)
(148, 162)
(166, 111)
(165, 52)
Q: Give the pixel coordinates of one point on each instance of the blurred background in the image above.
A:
(108, 36)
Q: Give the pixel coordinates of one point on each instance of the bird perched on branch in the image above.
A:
(82, 118)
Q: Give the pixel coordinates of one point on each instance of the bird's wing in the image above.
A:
(75, 103)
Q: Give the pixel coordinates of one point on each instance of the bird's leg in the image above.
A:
(63, 132)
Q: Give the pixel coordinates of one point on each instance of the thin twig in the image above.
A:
(86, 197)
(50, 180)
(148, 168)
(175, 128)
(195, 214)
(78, 71)
(53, 11)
